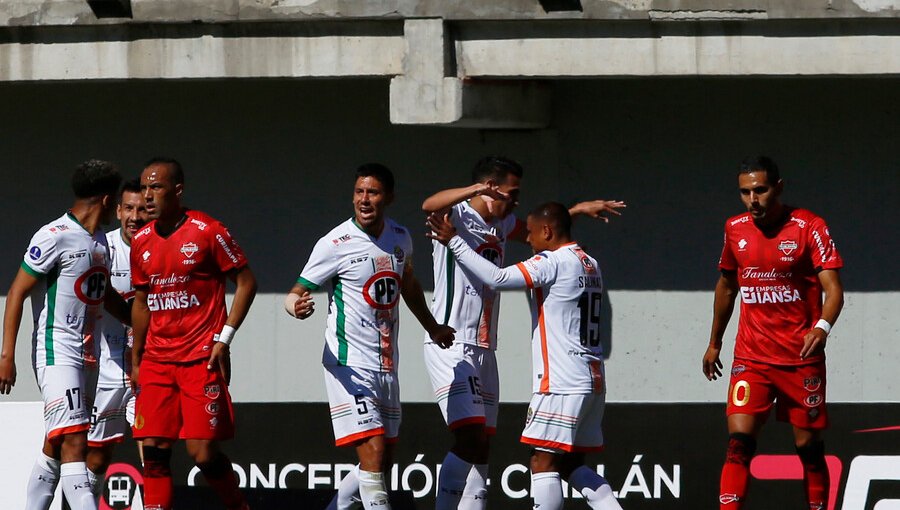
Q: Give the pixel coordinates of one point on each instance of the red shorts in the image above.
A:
(183, 401)
(798, 392)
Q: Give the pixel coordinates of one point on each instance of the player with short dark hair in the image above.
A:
(779, 259)
(114, 400)
(66, 273)
(569, 388)
(464, 377)
(182, 332)
(365, 264)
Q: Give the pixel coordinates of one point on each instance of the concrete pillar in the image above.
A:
(428, 92)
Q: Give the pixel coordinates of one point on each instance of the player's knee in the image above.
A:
(741, 448)
(157, 462)
(73, 447)
(216, 467)
(544, 462)
(472, 444)
(812, 453)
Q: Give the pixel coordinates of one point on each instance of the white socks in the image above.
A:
(76, 487)
(546, 491)
(347, 496)
(372, 491)
(451, 482)
(474, 496)
(594, 488)
(42, 483)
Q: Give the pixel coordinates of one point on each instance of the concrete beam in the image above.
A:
(426, 93)
(76, 12)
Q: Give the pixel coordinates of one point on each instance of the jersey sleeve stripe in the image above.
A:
(340, 323)
(528, 281)
(306, 283)
(449, 277)
(52, 278)
(28, 269)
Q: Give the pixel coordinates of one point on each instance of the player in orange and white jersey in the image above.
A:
(464, 377)
(566, 410)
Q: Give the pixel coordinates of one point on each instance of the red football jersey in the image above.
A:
(781, 296)
(184, 275)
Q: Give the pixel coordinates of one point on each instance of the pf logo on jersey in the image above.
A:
(90, 287)
(492, 252)
(382, 290)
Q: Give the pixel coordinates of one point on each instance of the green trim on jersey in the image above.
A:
(451, 270)
(73, 218)
(340, 320)
(32, 272)
(52, 277)
(308, 284)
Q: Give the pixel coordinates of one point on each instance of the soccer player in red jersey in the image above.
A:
(780, 259)
(181, 363)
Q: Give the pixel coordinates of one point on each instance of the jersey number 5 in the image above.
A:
(589, 304)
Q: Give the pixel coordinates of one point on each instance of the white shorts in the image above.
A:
(465, 382)
(68, 394)
(565, 423)
(363, 403)
(108, 423)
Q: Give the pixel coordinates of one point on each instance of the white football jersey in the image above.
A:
(565, 298)
(471, 308)
(67, 304)
(116, 338)
(362, 276)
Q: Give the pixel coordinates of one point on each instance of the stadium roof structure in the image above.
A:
(466, 63)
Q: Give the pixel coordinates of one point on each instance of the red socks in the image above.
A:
(736, 471)
(157, 478)
(815, 475)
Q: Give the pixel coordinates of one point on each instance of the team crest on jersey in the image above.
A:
(212, 391)
(787, 246)
(382, 290)
(90, 287)
(529, 416)
(812, 383)
(189, 249)
(145, 255)
(399, 254)
(492, 252)
(737, 370)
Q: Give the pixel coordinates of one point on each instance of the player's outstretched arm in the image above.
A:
(723, 305)
(414, 297)
(443, 232)
(117, 306)
(443, 200)
(12, 318)
(814, 340)
(140, 321)
(598, 209)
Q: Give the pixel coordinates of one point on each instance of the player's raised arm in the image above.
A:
(414, 297)
(723, 305)
(814, 340)
(12, 318)
(598, 209)
(443, 200)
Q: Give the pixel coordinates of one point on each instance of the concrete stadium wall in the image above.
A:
(273, 159)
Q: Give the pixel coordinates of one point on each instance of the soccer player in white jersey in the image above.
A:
(464, 377)
(365, 264)
(66, 273)
(114, 399)
(566, 410)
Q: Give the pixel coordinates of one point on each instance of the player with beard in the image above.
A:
(780, 259)
(66, 273)
(365, 264)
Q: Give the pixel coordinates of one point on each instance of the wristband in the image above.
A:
(289, 302)
(824, 326)
(226, 335)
